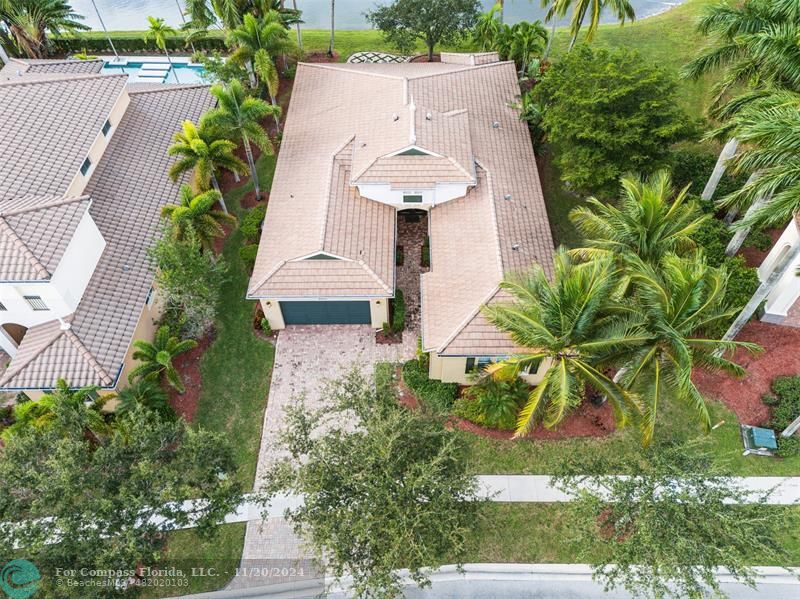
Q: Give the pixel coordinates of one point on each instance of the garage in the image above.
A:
(326, 312)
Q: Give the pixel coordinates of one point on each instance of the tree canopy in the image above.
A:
(607, 113)
(384, 487)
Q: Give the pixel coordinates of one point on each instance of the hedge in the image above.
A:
(130, 42)
(434, 395)
(251, 223)
(398, 312)
(785, 404)
(248, 254)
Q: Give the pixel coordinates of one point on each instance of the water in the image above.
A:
(132, 14)
(156, 69)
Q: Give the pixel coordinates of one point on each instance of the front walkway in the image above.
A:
(305, 357)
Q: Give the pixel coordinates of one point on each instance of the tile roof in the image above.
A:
(18, 67)
(501, 226)
(34, 233)
(48, 127)
(128, 188)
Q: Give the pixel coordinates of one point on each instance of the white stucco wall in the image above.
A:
(787, 291)
(452, 369)
(431, 196)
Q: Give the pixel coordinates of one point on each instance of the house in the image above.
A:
(782, 304)
(83, 174)
(370, 149)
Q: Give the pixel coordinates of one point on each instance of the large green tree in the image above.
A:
(384, 487)
(665, 532)
(103, 502)
(574, 324)
(31, 21)
(608, 113)
(431, 21)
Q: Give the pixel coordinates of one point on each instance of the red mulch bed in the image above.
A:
(404, 395)
(753, 256)
(321, 57)
(780, 358)
(188, 365)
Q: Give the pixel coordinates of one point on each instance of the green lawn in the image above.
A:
(186, 550)
(531, 533)
(236, 368)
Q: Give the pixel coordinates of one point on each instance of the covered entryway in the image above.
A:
(326, 312)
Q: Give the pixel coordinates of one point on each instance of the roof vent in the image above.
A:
(395, 117)
(125, 268)
(428, 116)
(507, 197)
(515, 247)
(496, 125)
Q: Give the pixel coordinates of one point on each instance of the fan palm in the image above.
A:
(158, 32)
(197, 151)
(571, 323)
(646, 222)
(680, 299)
(238, 117)
(196, 214)
(156, 358)
(622, 10)
(146, 393)
(30, 22)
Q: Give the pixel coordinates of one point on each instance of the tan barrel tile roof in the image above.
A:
(18, 67)
(34, 233)
(475, 58)
(47, 128)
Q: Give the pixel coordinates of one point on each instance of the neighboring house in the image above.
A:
(83, 175)
(783, 303)
(364, 143)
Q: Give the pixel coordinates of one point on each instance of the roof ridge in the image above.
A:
(337, 67)
(9, 231)
(68, 77)
(468, 67)
(169, 88)
(329, 190)
(265, 278)
(14, 370)
(374, 275)
(495, 223)
(455, 163)
(60, 201)
(88, 356)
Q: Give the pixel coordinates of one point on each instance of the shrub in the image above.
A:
(399, 257)
(251, 223)
(493, 403)
(742, 282)
(713, 236)
(434, 395)
(248, 254)
(426, 252)
(785, 404)
(398, 312)
(758, 239)
(265, 326)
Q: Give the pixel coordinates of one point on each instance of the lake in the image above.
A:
(132, 14)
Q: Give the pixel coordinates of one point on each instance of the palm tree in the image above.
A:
(521, 42)
(551, 16)
(680, 300)
(333, 27)
(487, 29)
(571, 323)
(239, 117)
(146, 393)
(30, 22)
(201, 15)
(622, 10)
(646, 222)
(156, 358)
(158, 32)
(199, 152)
(195, 214)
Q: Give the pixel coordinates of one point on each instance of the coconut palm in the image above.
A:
(30, 22)
(196, 214)
(487, 28)
(238, 117)
(333, 27)
(146, 393)
(158, 32)
(156, 358)
(648, 221)
(201, 14)
(571, 323)
(680, 300)
(622, 10)
(200, 153)
(521, 42)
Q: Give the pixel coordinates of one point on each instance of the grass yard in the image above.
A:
(236, 368)
(531, 533)
(185, 550)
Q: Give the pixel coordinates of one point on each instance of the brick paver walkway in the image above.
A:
(305, 357)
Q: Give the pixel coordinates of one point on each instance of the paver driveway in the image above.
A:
(305, 357)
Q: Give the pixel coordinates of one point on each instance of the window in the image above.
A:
(477, 364)
(87, 164)
(412, 199)
(2, 307)
(35, 302)
(150, 297)
(106, 127)
(413, 152)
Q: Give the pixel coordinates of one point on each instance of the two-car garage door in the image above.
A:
(326, 312)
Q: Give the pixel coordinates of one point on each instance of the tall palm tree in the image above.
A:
(158, 32)
(521, 42)
(680, 300)
(333, 27)
(238, 116)
(199, 152)
(487, 29)
(622, 10)
(201, 14)
(156, 358)
(30, 22)
(551, 16)
(649, 221)
(196, 214)
(573, 324)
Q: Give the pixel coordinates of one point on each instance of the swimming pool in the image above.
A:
(155, 69)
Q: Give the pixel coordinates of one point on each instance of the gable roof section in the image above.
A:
(128, 188)
(18, 68)
(47, 128)
(35, 233)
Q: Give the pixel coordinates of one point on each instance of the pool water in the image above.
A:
(156, 70)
